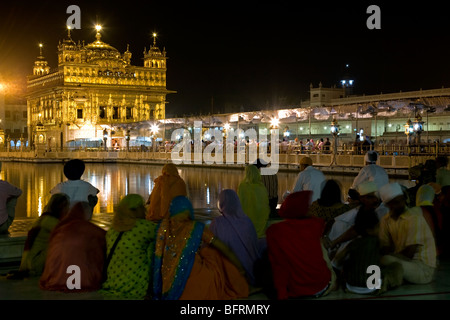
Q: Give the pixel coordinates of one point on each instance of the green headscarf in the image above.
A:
(129, 209)
(252, 175)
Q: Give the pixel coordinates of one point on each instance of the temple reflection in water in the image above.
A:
(117, 180)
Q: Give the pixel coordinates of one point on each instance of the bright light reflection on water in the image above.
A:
(117, 180)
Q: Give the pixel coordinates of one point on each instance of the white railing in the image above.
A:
(392, 158)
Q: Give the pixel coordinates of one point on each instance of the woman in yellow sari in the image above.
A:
(167, 186)
(190, 263)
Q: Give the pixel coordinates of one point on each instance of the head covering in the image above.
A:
(129, 209)
(229, 204)
(167, 186)
(371, 157)
(366, 188)
(170, 169)
(306, 160)
(180, 204)
(252, 175)
(236, 230)
(79, 211)
(296, 205)
(425, 196)
(56, 204)
(390, 191)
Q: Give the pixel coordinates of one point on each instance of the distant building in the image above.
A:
(382, 118)
(322, 96)
(94, 95)
(13, 120)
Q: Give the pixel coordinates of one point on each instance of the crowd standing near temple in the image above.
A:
(315, 243)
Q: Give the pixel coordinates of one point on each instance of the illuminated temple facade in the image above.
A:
(95, 95)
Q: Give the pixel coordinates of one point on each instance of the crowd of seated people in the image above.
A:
(157, 249)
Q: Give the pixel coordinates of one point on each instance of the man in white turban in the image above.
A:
(371, 172)
(406, 237)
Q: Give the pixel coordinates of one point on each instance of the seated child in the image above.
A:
(77, 189)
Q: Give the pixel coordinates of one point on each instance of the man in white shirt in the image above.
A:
(309, 178)
(77, 189)
(371, 172)
(342, 232)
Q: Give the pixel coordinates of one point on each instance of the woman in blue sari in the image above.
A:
(190, 263)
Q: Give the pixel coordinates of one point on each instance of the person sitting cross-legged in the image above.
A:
(406, 237)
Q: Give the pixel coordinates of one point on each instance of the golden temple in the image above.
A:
(94, 94)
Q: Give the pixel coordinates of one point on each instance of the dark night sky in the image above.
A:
(251, 54)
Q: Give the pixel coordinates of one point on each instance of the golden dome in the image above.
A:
(99, 45)
(101, 50)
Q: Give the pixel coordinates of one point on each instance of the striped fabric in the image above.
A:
(410, 228)
(271, 183)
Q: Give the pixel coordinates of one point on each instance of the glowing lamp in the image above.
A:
(274, 123)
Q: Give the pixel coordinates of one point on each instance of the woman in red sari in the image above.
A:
(75, 242)
(190, 263)
(300, 264)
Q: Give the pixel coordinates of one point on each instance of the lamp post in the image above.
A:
(127, 139)
(105, 138)
(418, 128)
(286, 132)
(429, 110)
(226, 128)
(274, 124)
(408, 131)
(335, 132)
(154, 131)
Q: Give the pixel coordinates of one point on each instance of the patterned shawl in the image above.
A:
(177, 242)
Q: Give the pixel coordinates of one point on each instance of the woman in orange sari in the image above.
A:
(190, 263)
(167, 186)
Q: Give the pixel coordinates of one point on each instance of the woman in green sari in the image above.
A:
(255, 199)
(129, 270)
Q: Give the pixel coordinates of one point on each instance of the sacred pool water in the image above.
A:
(117, 180)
